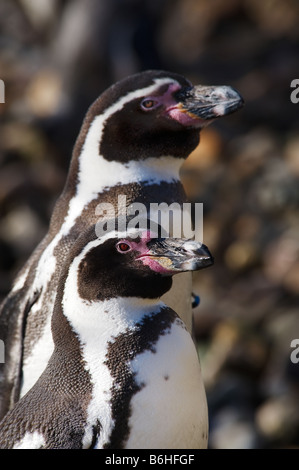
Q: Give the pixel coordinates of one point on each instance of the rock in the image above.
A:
(278, 418)
(241, 255)
(232, 431)
(292, 154)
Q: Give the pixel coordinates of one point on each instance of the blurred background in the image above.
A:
(57, 56)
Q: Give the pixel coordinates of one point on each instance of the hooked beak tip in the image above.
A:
(189, 256)
(206, 103)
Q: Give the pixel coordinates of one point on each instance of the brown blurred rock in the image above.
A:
(247, 226)
(22, 229)
(280, 256)
(187, 25)
(292, 154)
(25, 139)
(241, 255)
(225, 336)
(44, 94)
(232, 431)
(275, 17)
(207, 153)
(278, 417)
(251, 152)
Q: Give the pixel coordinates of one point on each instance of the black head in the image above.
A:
(154, 114)
(135, 264)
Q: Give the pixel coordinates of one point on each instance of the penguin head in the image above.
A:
(132, 264)
(153, 114)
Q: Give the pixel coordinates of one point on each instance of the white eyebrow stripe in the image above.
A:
(137, 94)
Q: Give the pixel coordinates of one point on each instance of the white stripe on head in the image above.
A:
(96, 173)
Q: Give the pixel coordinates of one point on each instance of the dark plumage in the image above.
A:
(132, 142)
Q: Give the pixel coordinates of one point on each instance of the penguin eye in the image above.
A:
(149, 103)
(123, 247)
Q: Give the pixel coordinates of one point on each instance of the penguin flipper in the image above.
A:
(13, 315)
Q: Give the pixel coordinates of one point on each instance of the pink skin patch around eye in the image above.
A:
(141, 246)
(175, 110)
(144, 255)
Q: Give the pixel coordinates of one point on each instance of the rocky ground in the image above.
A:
(55, 59)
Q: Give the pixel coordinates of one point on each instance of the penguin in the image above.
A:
(124, 372)
(130, 148)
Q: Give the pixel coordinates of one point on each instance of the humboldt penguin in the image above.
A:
(124, 372)
(131, 146)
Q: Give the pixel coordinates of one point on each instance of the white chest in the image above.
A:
(170, 410)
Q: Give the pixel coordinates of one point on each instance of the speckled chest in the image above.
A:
(147, 390)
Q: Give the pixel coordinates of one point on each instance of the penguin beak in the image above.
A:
(205, 103)
(171, 256)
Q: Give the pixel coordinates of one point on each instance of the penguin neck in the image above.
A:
(96, 174)
(93, 172)
(95, 324)
(91, 175)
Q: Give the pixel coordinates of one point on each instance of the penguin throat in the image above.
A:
(97, 174)
(117, 315)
